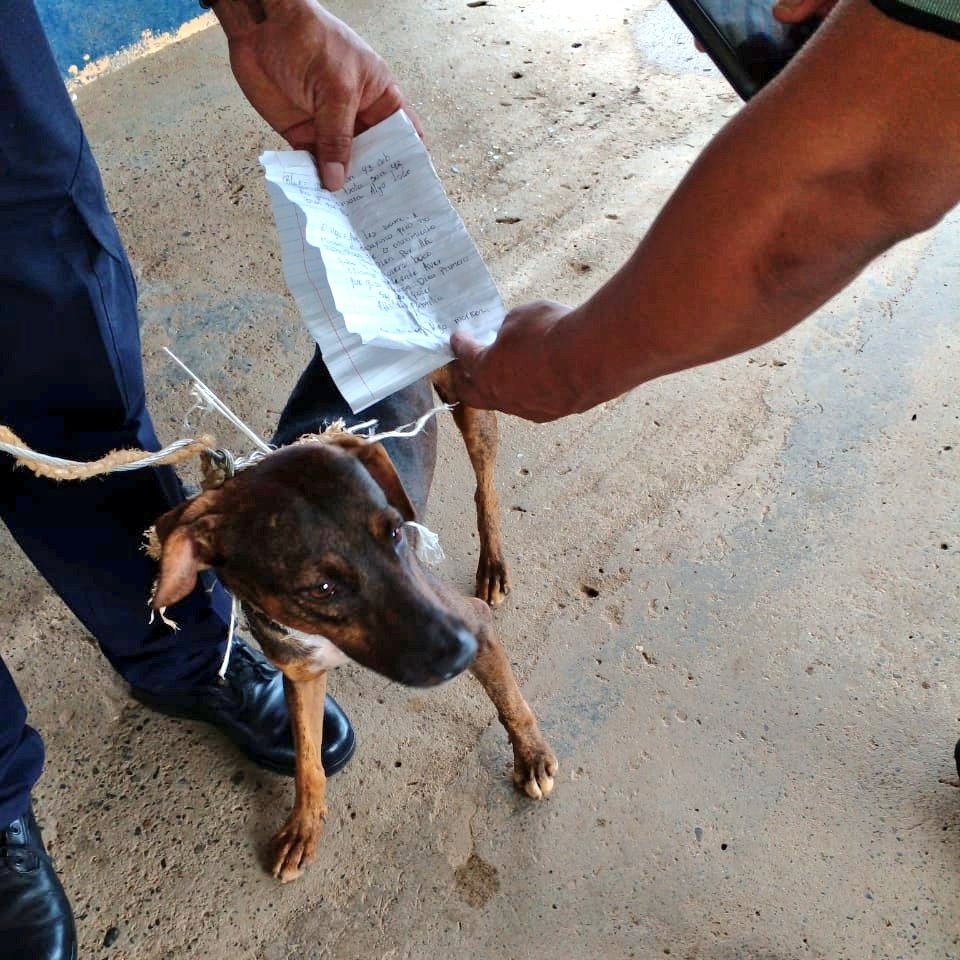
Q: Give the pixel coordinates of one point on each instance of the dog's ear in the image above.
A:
(187, 544)
(381, 468)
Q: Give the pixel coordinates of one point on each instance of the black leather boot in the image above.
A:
(249, 706)
(36, 921)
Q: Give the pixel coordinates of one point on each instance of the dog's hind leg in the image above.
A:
(295, 845)
(534, 763)
(479, 430)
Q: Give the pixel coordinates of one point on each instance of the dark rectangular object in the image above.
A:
(743, 39)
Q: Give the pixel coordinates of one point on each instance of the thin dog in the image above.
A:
(312, 539)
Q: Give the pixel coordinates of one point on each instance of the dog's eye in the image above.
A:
(397, 534)
(324, 590)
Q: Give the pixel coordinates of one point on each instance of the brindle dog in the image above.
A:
(312, 541)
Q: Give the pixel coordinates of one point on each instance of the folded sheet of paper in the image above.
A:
(383, 270)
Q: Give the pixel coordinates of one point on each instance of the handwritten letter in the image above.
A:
(382, 270)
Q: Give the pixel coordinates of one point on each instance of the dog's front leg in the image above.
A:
(295, 844)
(534, 763)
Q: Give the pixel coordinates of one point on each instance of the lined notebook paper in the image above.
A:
(383, 270)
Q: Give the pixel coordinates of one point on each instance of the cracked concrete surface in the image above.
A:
(735, 590)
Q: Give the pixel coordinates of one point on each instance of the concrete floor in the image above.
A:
(735, 590)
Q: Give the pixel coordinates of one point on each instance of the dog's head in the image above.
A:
(313, 538)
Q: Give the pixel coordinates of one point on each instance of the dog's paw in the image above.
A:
(534, 767)
(493, 582)
(294, 846)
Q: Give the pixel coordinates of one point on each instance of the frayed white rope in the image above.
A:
(231, 633)
(208, 399)
(427, 548)
(199, 406)
(162, 613)
(215, 403)
(408, 429)
(404, 432)
(241, 463)
(357, 427)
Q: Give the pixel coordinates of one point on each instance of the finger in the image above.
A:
(300, 135)
(333, 127)
(465, 348)
(796, 11)
(387, 104)
(333, 173)
(415, 120)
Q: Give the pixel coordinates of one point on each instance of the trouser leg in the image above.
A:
(21, 752)
(71, 384)
(71, 380)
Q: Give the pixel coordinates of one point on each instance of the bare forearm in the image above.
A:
(733, 261)
(787, 205)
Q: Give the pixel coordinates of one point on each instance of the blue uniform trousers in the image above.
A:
(71, 384)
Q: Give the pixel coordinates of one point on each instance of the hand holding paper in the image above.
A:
(383, 270)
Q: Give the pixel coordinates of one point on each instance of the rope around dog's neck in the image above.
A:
(217, 465)
(216, 460)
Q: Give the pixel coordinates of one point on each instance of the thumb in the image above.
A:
(465, 348)
(333, 126)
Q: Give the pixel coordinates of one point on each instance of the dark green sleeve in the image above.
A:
(938, 16)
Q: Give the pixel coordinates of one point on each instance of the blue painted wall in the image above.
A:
(99, 27)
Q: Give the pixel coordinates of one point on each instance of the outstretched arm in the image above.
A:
(314, 80)
(850, 150)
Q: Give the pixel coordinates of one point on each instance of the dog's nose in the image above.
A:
(463, 648)
(434, 655)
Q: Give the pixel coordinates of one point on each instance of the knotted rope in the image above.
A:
(216, 465)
